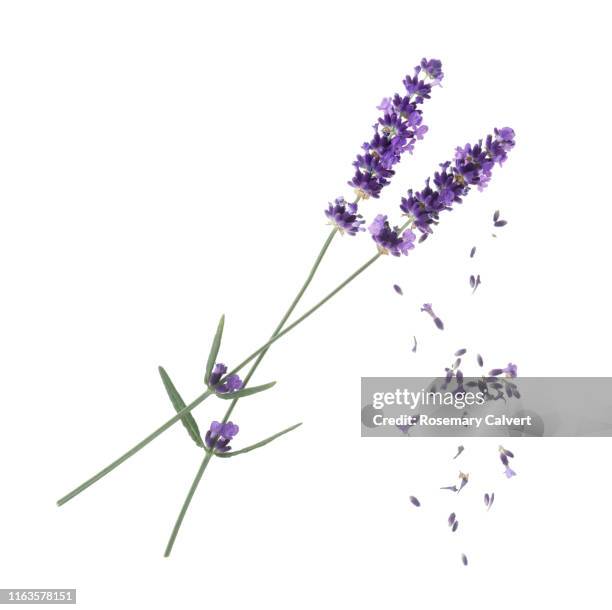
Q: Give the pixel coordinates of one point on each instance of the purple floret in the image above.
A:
(344, 215)
(229, 384)
(388, 239)
(219, 435)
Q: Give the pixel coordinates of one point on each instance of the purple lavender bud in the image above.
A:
(491, 501)
(486, 499)
(496, 216)
(503, 458)
(464, 559)
(460, 352)
(439, 323)
(495, 372)
(511, 370)
(477, 283)
(219, 435)
(509, 473)
(459, 451)
(344, 215)
(397, 289)
(229, 384)
(414, 347)
(459, 376)
(455, 526)
(415, 501)
(501, 223)
(389, 240)
(451, 519)
(472, 281)
(472, 252)
(479, 360)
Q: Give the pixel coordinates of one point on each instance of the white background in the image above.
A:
(164, 162)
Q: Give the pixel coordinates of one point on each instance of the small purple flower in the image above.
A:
(432, 69)
(464, 559)
(491, 500)
(451, 519)
(506, 452)
(344, 215)
(415, 501)
(509, 472)
(389, 240)
(437, 321)
(504, 459)
(487, 500)
(230, 384)
(219, 435)
(398, 289)
(455, 526)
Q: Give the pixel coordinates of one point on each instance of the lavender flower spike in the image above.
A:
(472, 166)
(344, 215)
(219, 435)
(231, 384)
(396, 132)
(389, 240)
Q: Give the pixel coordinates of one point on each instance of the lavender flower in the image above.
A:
(487, 500)
(344, 215)
(414, 347)
(415, 501)
(219, 435)
(455, 526)
(491, 500)
(451, 519)
(472, 252)
(396, 132)
(231, 384)
(509, 472)
(472, 166)
(398, 289)
(506, 452)
(437, 321)
(389, 240)
(464, 559)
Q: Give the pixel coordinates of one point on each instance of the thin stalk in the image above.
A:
(204, 464)
(206, 394)
(192, 490)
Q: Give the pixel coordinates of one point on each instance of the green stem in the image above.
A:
(77, 490)
(192, 490)
(206, 394)
(247, 378)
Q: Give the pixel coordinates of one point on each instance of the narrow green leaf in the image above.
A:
(246, 392)
(257, 445)
(214, 349)
(188, 420)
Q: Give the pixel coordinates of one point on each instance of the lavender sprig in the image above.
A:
(396, 131)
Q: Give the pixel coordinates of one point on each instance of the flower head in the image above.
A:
(396, 131)
(230, 384)
(389, 239)
(472, 166)
(219, 435)
(344, 215)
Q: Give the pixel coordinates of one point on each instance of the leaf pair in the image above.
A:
(179, 404)
(259, 444)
